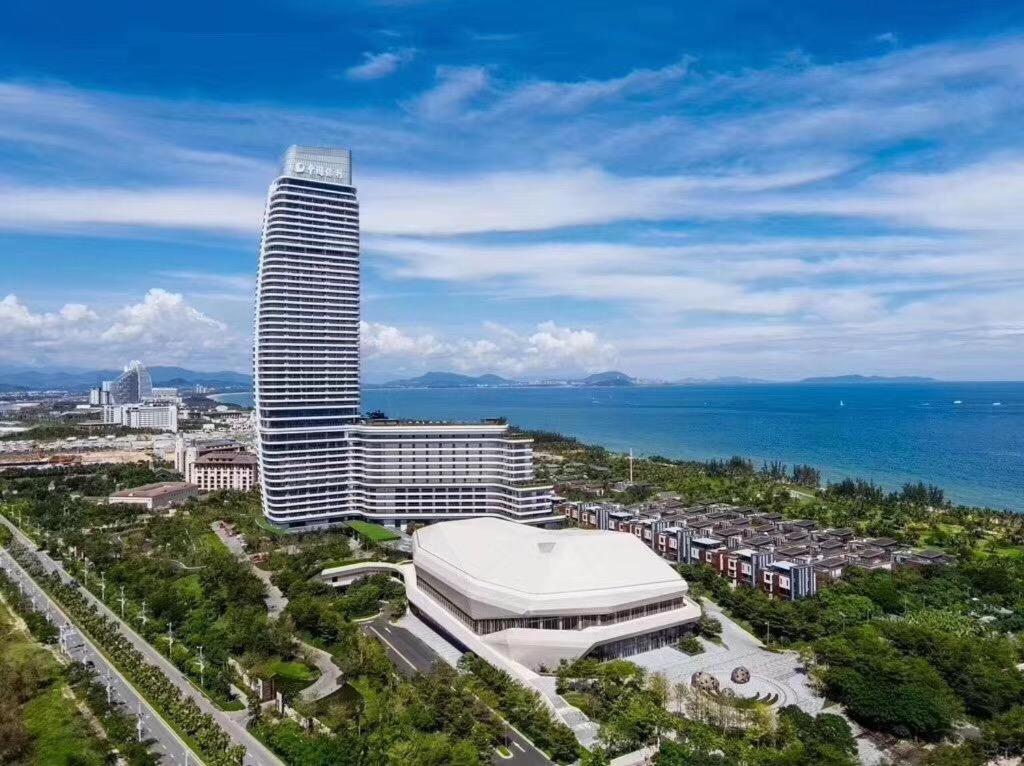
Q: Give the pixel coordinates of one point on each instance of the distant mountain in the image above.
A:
(446, 380)
(75, 381)
(609, 378)
(855, 379)
(179, 376)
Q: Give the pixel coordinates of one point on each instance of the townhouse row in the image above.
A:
(786, 558)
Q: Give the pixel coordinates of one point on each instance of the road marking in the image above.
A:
(519, 747)
(387, 629)
(393, 648)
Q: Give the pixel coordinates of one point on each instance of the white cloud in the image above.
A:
(17, 318)
(456, 87)
(74, 209)
(690, 191)
(568, 97)
(549, 348)
(162, 328)
(378, 65)
(381, 340)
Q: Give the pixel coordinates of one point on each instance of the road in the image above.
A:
(166, 743)
(257, 753)
(411, 656)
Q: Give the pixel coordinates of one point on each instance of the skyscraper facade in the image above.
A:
(134, 385)
(320, 462)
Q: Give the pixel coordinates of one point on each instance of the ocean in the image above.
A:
(967, 438)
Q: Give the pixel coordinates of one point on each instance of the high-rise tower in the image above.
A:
(320, 463)
(306, 354)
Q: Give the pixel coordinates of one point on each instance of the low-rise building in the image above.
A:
(216, 470)
(156, 497)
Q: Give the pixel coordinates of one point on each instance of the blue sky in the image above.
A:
(674, 189)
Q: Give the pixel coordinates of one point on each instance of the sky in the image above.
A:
(673, 189)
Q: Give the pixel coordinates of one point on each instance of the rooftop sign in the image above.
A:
(321, 164)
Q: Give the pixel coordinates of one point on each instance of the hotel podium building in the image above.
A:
(321, 463)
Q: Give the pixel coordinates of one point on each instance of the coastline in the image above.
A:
(886, 433)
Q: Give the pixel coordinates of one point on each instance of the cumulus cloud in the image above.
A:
(378, 65)
(548, 348)
(382, 340)
(162, 327)
(16, 318)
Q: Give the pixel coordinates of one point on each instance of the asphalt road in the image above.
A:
(257, 753)
(412, 656)
(166, 744)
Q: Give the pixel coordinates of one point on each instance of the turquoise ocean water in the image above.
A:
(967, 438)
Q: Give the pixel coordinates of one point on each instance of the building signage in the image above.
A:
(320, 171)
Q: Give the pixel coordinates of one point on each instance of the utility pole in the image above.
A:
(170, 641)
(109, 687)
(122, 602)
(103, 586)
(143, 617)
(630, 465)
(202, 667)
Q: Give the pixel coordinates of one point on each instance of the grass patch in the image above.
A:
(373, 533)
(59, 732)
(288, 671)
(1009, 551)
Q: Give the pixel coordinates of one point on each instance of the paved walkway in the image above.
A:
(257, 753)
(276, 601)
(776, 673)
(330, 674)
(274, 598)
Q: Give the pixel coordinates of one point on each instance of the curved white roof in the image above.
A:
(523, 568)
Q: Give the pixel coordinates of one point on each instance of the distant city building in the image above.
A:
(161, 417)
(156, 497)
(165, 392)
(540, 596)
(133, 386)
(320, 463)
(98, 397)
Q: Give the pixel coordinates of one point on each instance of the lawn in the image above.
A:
(373, 533)
(288, 671)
